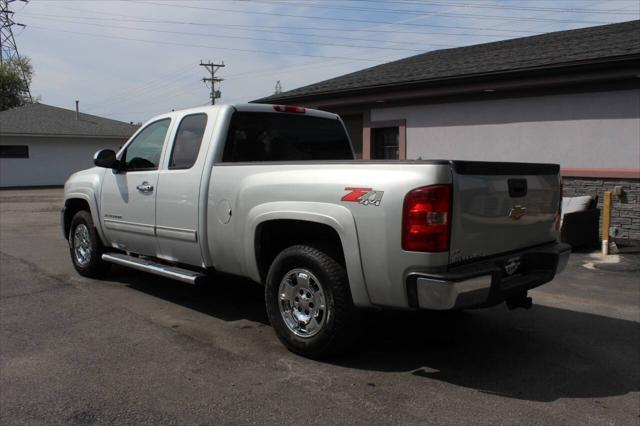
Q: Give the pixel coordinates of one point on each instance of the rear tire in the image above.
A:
(85, 246)
(309, 303)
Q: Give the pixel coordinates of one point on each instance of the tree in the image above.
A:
(15, 79)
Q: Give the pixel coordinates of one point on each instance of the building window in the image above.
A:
(14, 151)
(385, 143)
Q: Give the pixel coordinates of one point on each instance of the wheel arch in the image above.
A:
(327, 227)
(76, 202)
(273, 236)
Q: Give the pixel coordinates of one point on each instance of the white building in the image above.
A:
(42, 145)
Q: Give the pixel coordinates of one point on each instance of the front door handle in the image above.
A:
(145, 187)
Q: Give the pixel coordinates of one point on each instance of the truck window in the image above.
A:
(264, 136)
(186, 145)
(143, 153)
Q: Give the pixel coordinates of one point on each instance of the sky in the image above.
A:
(132, 59)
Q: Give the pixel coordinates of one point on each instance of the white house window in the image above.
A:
(14, 151)
(386, 144)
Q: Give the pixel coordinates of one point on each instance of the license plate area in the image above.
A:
(511, 266)
(517, 271)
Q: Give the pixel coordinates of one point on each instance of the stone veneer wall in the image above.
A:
(625, 214)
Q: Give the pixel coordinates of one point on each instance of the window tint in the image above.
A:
(14, 151)
(188, 140)
(143, 153)
(263, 136)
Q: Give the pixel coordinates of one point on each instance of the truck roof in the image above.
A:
(286, 109)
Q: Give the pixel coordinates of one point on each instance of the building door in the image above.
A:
(385, 143)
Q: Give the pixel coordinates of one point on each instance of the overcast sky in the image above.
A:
(130, 59)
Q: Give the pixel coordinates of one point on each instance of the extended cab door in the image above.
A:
(179, 181)
(129, 195)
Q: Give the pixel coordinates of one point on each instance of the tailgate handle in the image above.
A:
(517, 188)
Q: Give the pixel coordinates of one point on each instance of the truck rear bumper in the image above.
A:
(489, 281)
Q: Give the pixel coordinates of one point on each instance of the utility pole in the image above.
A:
(8, 47)
(212, 68)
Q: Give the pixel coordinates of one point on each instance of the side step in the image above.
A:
(173, 272)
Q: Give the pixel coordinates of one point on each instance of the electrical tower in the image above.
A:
(8, 47)
(213, 68)
(278, 88)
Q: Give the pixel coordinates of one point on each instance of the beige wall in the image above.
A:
(51, 160)
(586, 130)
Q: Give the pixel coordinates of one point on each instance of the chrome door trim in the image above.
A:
(177, 233)
(121, 225)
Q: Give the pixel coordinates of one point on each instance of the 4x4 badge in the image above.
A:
(364, 196)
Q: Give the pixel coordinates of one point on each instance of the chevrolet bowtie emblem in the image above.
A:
(517, 212)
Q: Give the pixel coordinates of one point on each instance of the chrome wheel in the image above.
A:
(302, 303)
(82, 245)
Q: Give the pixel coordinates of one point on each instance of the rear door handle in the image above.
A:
(145, 187)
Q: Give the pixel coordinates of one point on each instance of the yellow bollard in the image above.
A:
(606, 222)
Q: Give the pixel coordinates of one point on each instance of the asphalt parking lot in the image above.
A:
(135, 348)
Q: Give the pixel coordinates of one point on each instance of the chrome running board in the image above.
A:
(173, 272)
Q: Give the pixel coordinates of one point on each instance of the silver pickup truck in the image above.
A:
(273, 193)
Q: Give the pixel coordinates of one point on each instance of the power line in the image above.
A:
(482, 6)
(200, 45)
(265, 28)
(156, 97)
(213, 68)
(524, 8)
(422, 12)
(367, 21)
(164, 94)
(236, 37)
(166, 80)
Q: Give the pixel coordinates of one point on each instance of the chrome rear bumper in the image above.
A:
(489, 281)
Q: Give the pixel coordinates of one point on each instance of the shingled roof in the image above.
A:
(46, 120)
(551, 50)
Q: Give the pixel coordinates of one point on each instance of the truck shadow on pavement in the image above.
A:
(541, 354)
(224, 297)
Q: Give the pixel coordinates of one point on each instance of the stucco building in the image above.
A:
(568, 97)
(42, 145)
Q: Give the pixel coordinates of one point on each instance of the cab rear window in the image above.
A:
(264, 136)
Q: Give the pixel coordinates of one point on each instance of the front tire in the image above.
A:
(85, 246)
(309, 303)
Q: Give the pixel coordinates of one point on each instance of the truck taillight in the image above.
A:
(426, 219)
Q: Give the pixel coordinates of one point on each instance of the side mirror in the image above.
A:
(106, 158)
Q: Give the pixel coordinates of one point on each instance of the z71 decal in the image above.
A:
(364, 196)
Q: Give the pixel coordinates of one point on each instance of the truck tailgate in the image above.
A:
(502, 207)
